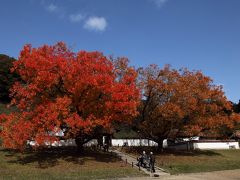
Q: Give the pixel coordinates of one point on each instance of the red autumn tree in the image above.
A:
(182, 103)
(81, 92)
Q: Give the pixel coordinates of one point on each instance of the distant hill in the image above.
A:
(7, 78)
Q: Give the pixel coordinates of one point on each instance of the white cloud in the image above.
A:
(160, 3)
(96, 23)
(52, 8)
(76, 17)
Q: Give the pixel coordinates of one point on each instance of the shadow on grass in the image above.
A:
(138, 150)
(50, 157)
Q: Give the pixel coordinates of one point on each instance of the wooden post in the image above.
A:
(126, 161)
(132, 164)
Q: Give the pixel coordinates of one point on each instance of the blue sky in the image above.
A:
(197, 34)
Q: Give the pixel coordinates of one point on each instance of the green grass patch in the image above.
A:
(200, 161)
(63, 164)
(177, 162)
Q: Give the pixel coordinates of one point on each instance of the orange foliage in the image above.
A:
(80, 91)
(184, 102)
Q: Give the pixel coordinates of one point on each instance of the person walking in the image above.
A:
(142, 159)
(152, 162)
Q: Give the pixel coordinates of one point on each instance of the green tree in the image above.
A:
(236, 107)
(7, 78)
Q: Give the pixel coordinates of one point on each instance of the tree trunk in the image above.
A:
(160, 144)
(100, 141)
(79, 143)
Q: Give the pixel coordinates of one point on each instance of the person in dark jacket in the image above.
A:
(151, 162)
(142, 159)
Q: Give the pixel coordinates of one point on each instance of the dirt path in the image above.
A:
(216, 175)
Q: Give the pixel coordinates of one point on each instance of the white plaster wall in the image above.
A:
(115, 142)
(133, 142)
(216, 145)
(68, 142)
(146, 142)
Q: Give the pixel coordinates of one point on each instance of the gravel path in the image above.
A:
(216, 175)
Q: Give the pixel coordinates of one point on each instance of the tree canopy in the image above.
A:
(86, 93)
(181, 102)
(79, 92)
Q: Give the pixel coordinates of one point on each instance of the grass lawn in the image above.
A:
(63, 164)
(195, 161)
